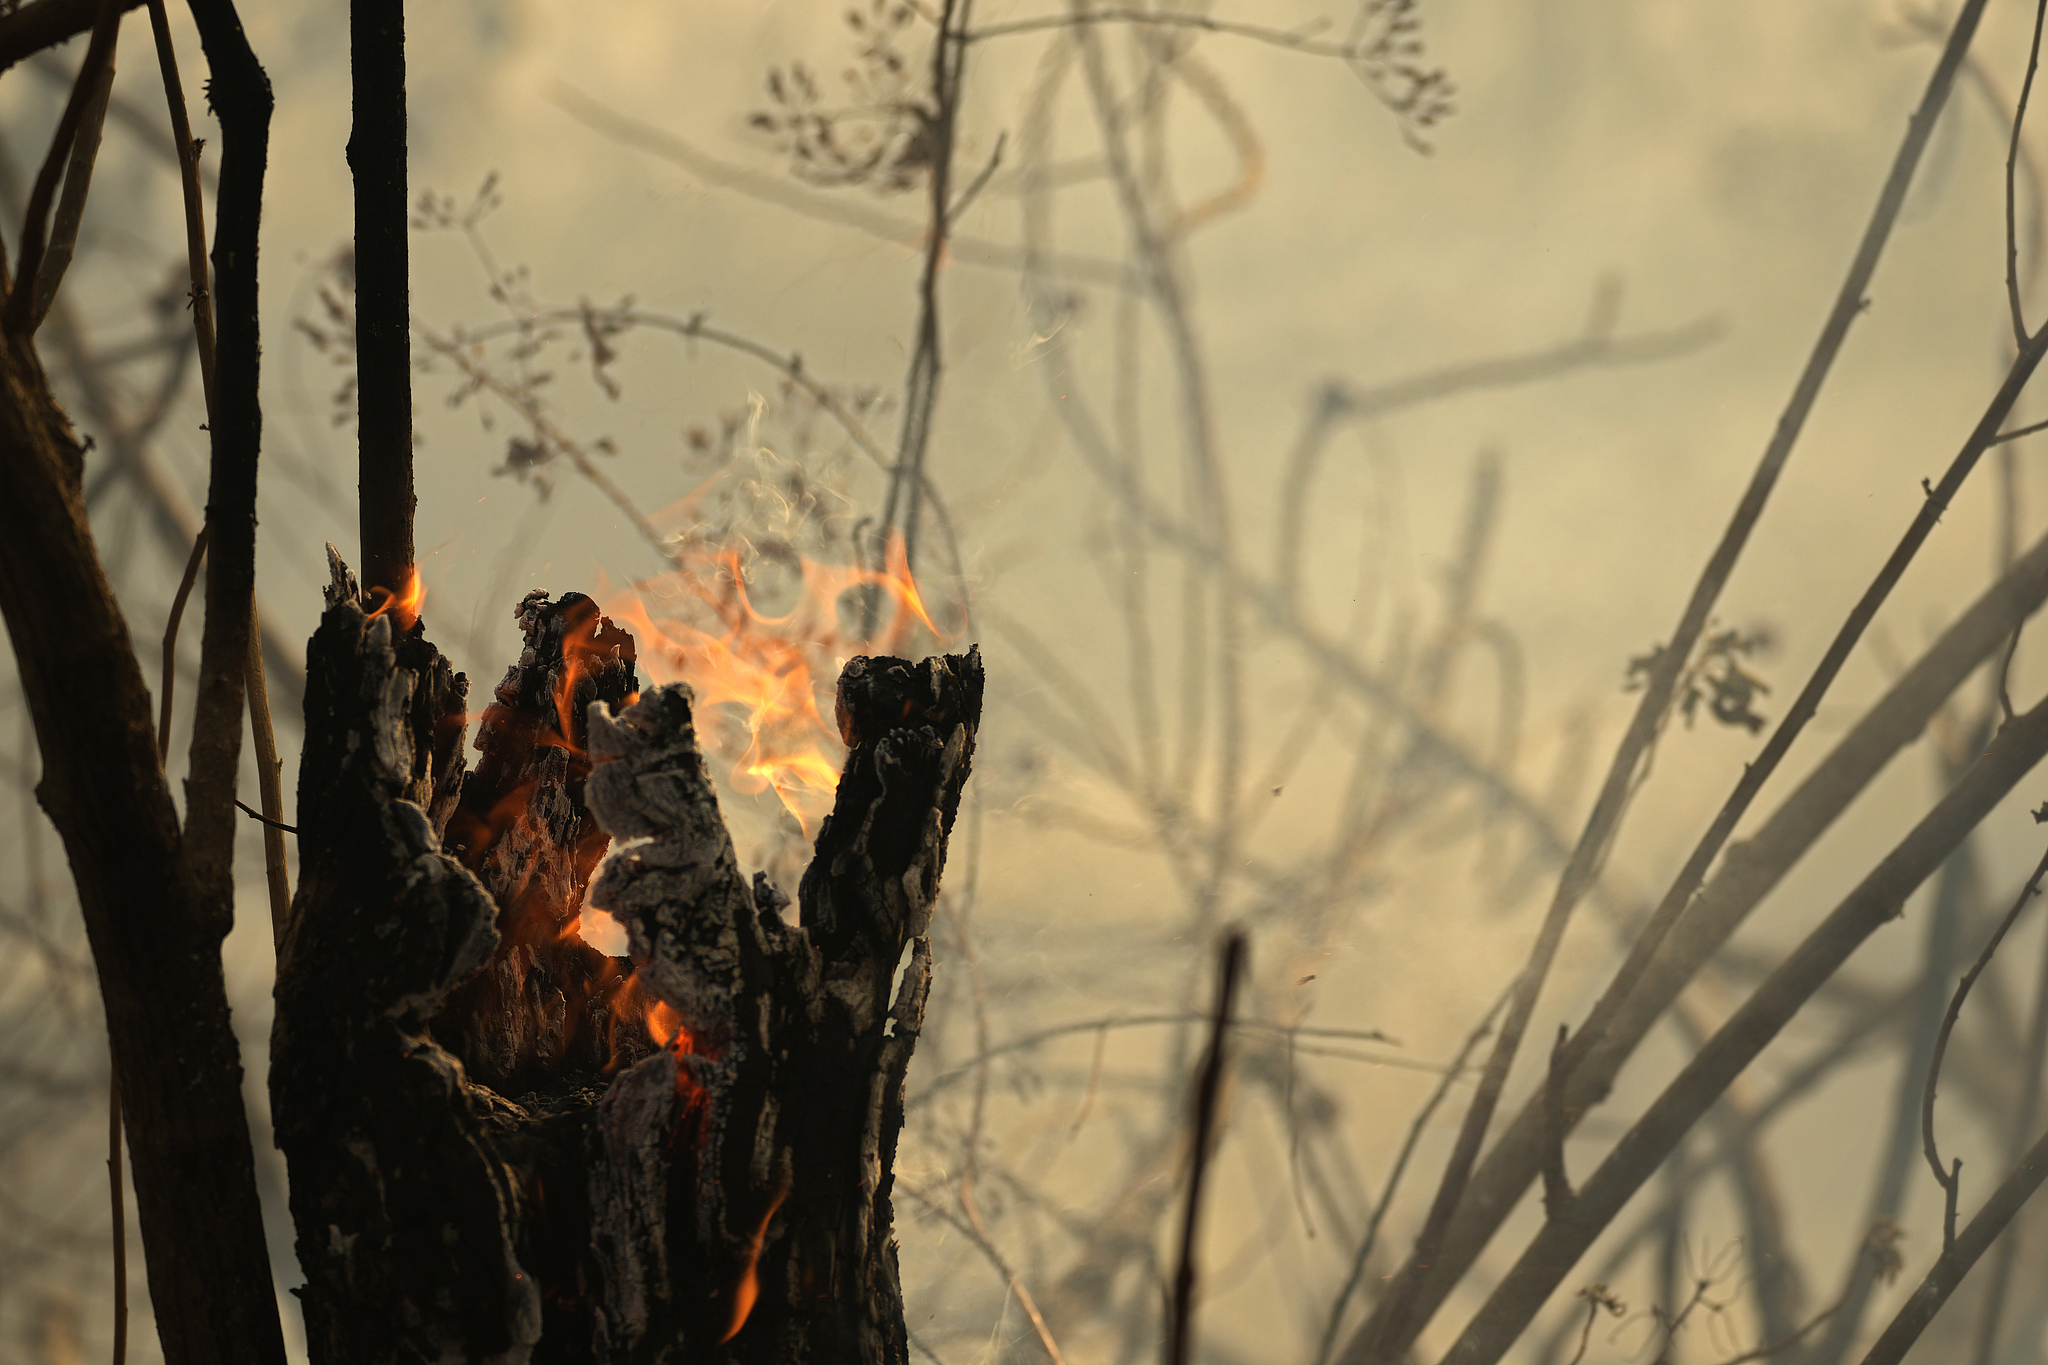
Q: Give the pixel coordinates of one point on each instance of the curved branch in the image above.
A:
(1950, 1180)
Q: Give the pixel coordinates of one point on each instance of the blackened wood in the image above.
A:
(376, 156)
(791, 1093)
(720, 1196)
(539, 1016)
(406, 1215)
(155, 940)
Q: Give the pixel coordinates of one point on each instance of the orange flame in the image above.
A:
(406, 605)
(768, 670)
(748, 1290)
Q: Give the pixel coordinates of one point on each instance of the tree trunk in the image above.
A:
(155, 936)
(505, 1145)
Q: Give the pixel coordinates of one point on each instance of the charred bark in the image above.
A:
(505, 1145)
(540, 1012)
(376, 160)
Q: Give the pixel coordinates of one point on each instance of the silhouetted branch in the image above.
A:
(1398, 1321)
(20, 313)
(1338, 402)
(1878, 899)
(376, 157)
(2012, 157)
(1960, 1256)
(167, 683)
(1950, 1180)
(811, 204)
(1557, 1186)
(240, 94)
(155, 934)
(1396, 1171)
(46, 23)
(1180, 1325)
(2023, 1119)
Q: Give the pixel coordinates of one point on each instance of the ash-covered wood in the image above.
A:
(791, 1093)
(715, 1187)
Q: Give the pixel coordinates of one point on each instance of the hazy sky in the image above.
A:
(1712, 164)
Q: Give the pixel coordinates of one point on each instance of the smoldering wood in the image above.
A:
(539, 1011)
(718, 1190)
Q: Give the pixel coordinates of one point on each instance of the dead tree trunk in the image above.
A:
(504, 1145)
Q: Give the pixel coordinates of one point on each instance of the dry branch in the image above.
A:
(376, 156)
(1393, 1328)
(155, 937)
(46, 23)
(1960, 1256)
(1878, 899)
(240, 94)
(1752, 868)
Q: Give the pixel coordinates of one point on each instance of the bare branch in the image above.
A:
(70, 216)
(44, 24)
(1949, 1179)
(240, 93)
(1960, 1256)
(1877, 899)
(1398, 1322)
(20, 311)
(167, 683)
(1180, 1325)
(2012, 157)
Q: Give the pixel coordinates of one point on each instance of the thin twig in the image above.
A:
(1960, 1256)
(2012, 157)
(1180, 1327)
(483, 378)
(1207, 484)
(1397, 1170)
(1293, 41)
(965, 250)
(261, 818)
(1950, 1180)
(2027, 430)
(1037, 1037)
(239, 91)
(195, 202)
(978, 1108)
(2023, 1119)
(1339, 403)
(977, 1232)
(979, 183)
(269, 786)
(170, 674)
(1094, 1080)
(99, 54)
(70, 217)
(904, 498)
(276, 870)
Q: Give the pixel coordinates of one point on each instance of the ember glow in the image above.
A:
(699, 625)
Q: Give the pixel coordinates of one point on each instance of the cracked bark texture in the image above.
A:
(718, 1190)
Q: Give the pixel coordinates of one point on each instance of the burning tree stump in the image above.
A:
(506, 1146)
